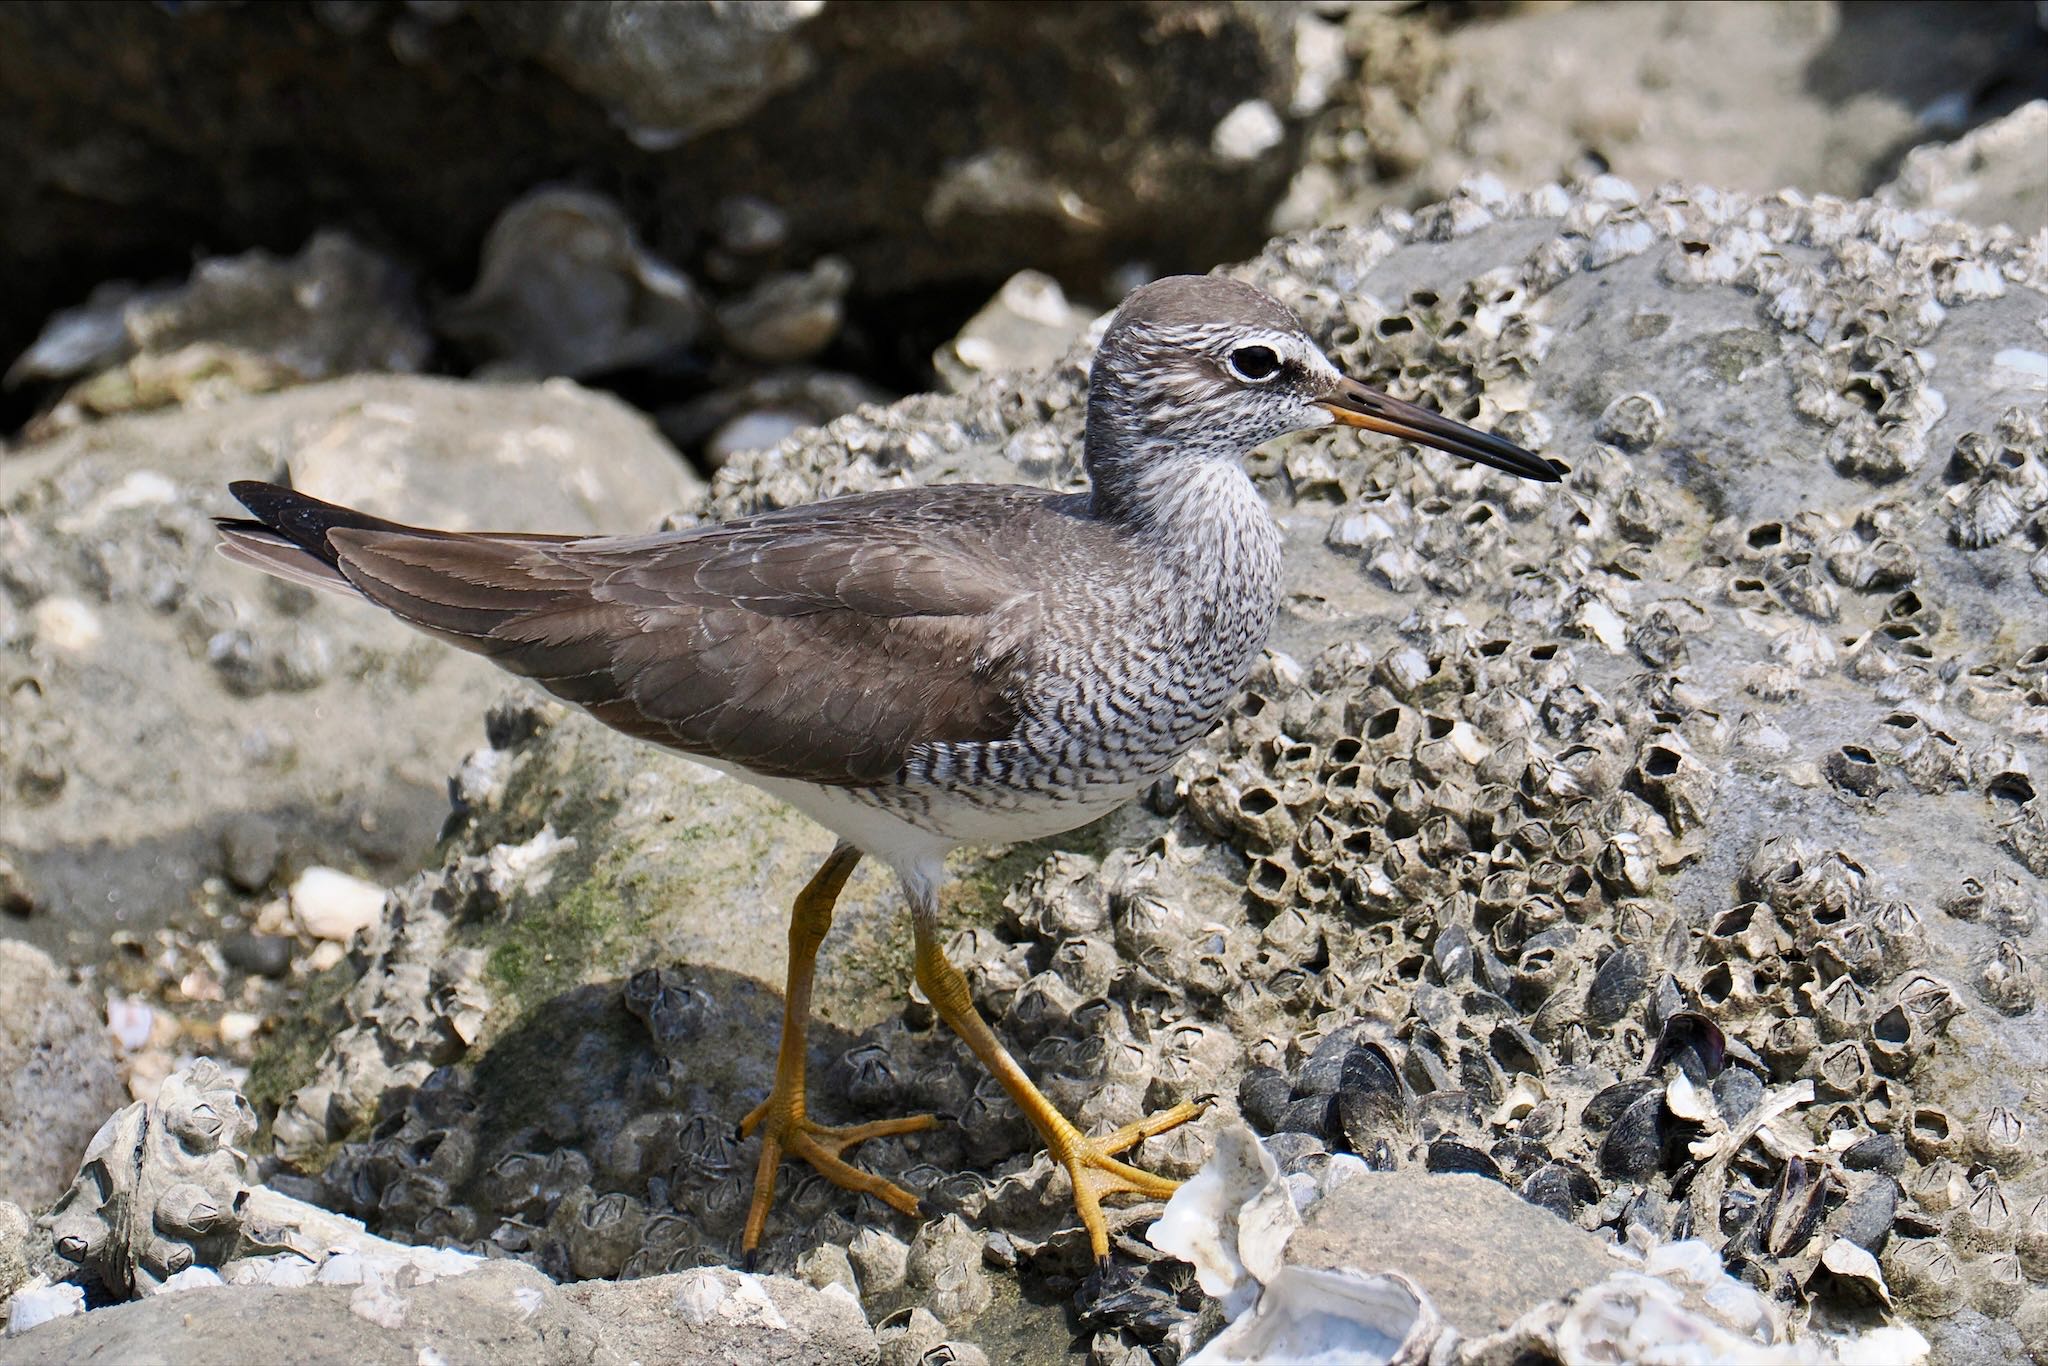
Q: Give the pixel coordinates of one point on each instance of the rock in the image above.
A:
(249, 847)
(760, 412)
(261, 955)
(331, 725)
(332, 905)
(1028, 325)
(161, 1187)
(669, 74)
(14, 1250)
(241, 324)
(502, 1311)
(1482, 1253)
(566, 288)
(1822, 97)
(714, 1314)
(790, 316)
(58, 1077)
(1992, 174)
(792, 105)
(756, 431)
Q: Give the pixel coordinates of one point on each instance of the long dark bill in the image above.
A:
(1355, 405)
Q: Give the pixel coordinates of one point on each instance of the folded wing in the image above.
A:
(824, 645)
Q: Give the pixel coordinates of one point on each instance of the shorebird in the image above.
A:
(921, 668)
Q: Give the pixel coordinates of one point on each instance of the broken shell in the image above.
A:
(1930, 1133)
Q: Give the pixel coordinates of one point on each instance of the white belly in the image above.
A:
(905, 843)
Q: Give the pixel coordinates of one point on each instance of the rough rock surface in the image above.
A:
(160, 699)
(1825, 97)
(715, 1314)
(501, 1312)
(1665, 843)
(242, 324)
(306, 116)
(58, 1077)
(1993, 174)
(1484, 1255)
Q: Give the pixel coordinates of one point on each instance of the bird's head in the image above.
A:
(1203, 367)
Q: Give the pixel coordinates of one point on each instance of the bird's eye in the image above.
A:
(1255, 364)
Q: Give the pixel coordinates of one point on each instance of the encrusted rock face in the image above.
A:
(1665, 845)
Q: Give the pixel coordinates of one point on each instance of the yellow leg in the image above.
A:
(785, 1130)
(1091, 1162)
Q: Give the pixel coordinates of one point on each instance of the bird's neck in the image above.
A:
(1197, 512)
(1153, 482)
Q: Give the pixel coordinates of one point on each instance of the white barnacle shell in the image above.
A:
(1982, 514)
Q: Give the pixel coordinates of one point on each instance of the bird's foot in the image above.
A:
(787, 1132)
(1097, 1174)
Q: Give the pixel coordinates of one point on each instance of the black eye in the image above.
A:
(1255, 363)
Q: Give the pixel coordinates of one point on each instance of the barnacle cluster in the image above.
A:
(161, 1188)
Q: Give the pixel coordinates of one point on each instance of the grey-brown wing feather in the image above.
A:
(825, 649)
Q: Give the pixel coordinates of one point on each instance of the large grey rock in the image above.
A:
(159, 694)
(58, 1075)
(502, 1311)
(1484, 1255)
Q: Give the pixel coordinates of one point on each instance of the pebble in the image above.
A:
(1247, 132)
(259, 955)
(238, 1027)
(249, 847)
(130, 1022)
(66, 624)
(755, 431)
(332, 905)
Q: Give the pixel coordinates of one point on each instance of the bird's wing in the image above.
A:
(825, 647)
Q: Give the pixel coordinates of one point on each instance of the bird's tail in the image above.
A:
(287, 536)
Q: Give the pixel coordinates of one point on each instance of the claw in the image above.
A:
(793, 1135)
(1097, 1174)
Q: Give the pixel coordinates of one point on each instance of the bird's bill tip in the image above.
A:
(1356, 405)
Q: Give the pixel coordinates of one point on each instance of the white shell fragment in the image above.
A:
(330, 904)
(1231, 1220)
(1330, 1318)
(33, 1305)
